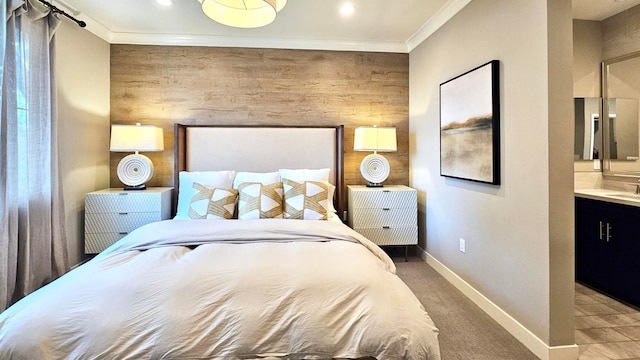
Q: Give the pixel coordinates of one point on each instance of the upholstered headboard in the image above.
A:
(262, 149)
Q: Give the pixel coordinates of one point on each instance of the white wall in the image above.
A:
(519, 235)
(82, 76)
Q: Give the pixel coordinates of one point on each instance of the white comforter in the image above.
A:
(210, 289)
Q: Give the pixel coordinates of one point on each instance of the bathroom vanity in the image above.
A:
(607, 243)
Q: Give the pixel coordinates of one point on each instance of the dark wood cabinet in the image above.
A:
(607, 248)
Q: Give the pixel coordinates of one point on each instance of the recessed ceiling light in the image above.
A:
(165, 2)
(347, 9)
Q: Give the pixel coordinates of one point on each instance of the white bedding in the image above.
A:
(210, 289)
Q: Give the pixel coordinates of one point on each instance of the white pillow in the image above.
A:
(302, 175)
(216, 179)
(254, 177)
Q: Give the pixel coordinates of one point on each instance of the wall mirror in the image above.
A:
(588, 134)
(621, 91)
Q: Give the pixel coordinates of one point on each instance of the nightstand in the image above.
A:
(387, 215)
(110, 214)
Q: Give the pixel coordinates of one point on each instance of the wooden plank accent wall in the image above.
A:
(163, 85)
(620, 33)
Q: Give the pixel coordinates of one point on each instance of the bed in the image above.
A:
(294, 284)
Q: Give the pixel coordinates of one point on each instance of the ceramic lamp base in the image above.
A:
(375, 169)
(134, 171)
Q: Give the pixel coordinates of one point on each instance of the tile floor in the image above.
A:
(605, 328)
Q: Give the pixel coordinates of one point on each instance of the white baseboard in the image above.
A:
(526, 337)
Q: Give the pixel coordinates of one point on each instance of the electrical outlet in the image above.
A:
(463, 245)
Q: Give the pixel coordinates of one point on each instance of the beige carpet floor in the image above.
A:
(466, 332)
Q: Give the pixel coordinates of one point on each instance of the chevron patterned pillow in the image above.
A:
(260, 201)
(212, 203)
(306, 200)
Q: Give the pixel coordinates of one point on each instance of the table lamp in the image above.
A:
(375, 167)
(135, 170)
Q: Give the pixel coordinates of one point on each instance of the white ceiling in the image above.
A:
(376, 25)
(600, 9)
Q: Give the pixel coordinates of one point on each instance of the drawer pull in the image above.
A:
(123, 213)
(123, 233)
(123, 193)
(386, 227)
(600, 231)
(386, 190)
(386, 209)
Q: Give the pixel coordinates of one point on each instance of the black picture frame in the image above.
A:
(470, 125)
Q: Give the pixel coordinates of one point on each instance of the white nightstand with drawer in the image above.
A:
(110, 214)
(386, 215)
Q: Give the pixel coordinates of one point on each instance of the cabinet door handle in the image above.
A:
(600, 231)
(386, 227)
(386, 209)
(609, 228)
(123, 233)
(123, 213)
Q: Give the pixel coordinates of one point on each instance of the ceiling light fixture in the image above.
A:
(243, 13)
(347, 9)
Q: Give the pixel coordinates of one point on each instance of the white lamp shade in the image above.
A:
(242, 13)
(371, 138)
(132, 138)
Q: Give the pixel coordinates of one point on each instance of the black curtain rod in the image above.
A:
(55, 10)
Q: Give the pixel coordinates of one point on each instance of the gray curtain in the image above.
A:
(33, 247)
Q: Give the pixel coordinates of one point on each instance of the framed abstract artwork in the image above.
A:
(470, 125)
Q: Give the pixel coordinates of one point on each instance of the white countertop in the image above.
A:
(616, 196)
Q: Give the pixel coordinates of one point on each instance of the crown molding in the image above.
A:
(255, 42)
(93, 26)
(98, 29)
(448, 11)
